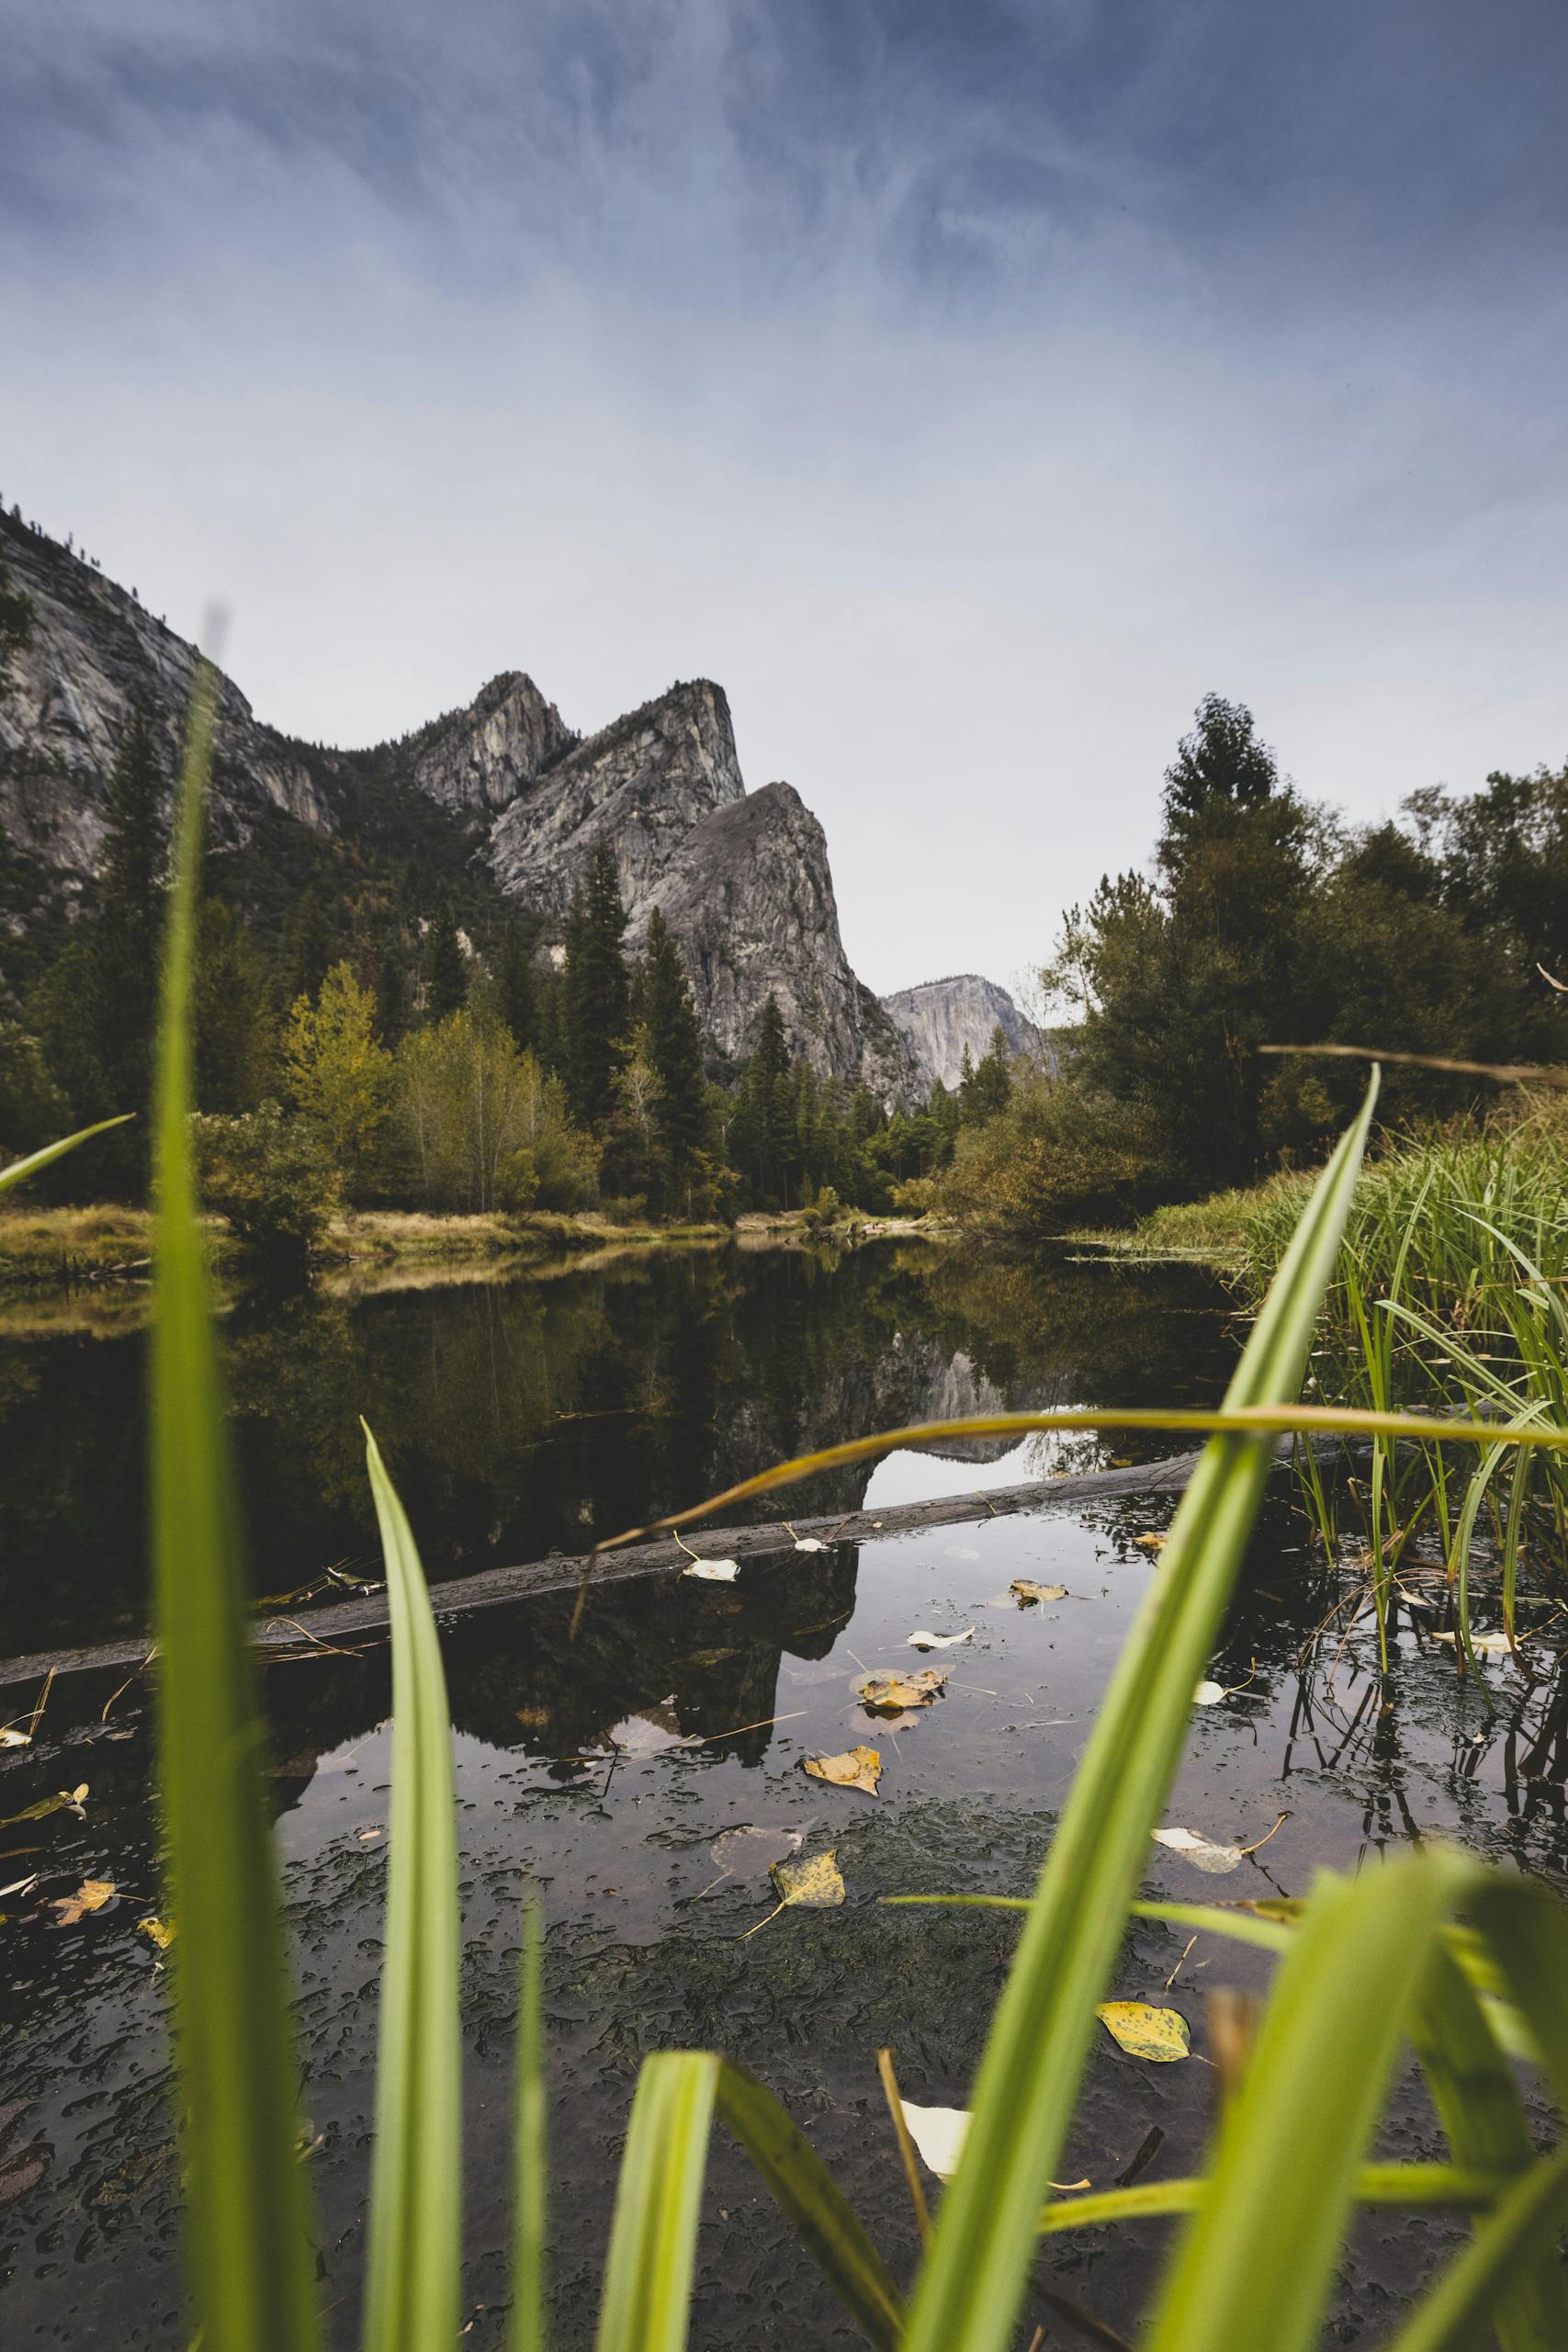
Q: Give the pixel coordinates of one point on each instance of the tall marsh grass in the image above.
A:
(1432, 1952)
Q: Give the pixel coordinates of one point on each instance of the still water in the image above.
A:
(533, 1416)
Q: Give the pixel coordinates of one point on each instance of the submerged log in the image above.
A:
(559, 1571)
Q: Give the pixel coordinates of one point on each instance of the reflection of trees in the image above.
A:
(526, 1416)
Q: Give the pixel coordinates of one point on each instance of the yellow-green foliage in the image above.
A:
(340, 1076)
(1055, 1156)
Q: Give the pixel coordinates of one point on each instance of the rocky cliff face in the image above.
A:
(751, 898)
(743, 879)
(95, 654)
(940, 1019)
(484, 756)
(641, 785)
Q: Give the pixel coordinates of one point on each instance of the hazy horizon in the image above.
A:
(966, 392)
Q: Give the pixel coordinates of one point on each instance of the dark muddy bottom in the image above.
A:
(604, 1771)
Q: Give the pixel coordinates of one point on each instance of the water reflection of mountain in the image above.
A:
(526, 1417)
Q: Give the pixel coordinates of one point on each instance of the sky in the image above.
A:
(967, 387)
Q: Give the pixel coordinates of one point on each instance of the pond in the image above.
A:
(533, 1415)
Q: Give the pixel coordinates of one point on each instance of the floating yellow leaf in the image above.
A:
(63, 1801)
(1151, 1542)
(1027, 1592)
(815, 1882)
(91, 1895)
(858, 1768)
(1159, 2035)
(924, 1641)
(157, 1932)
(895, 1690)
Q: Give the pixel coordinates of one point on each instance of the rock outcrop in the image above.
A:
(484, 756)
(750, 900)
(641, 785)
(743, 879)
(95, 654)
(942, 1019)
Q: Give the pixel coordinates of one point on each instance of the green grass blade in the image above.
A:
(1427, 2185)
(1255, 2268)
(20, 1170)
(1526, 1935)
(525, 2332)
(1479, 2110)
(247, 2241)
(1459, 2314)
(1241, 1926)
(648, 2280)
(972, 2284)
(414, 2253)
(811, 2200)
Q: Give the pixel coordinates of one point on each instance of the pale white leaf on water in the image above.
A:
(1200, 1851)
(939, 2133)
(713, 1571)
(809, 1544)
(9, 1738)
(735, 1850)
(1483, 1645)
(924, 1641)
(1208, 1694)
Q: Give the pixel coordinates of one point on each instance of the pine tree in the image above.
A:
(515, 994)
(446, 972)
(773, 1047)
(597, 993)
(309, 947)
(128, 936)
(675, 1049)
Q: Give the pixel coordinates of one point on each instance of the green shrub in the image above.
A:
(269, 1176)
(1057, 1155)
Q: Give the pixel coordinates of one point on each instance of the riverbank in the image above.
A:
(104, 1243)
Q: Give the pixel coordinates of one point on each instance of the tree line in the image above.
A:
(362, 1038)
(1265, 920)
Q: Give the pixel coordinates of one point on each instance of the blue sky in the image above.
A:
(968, 388)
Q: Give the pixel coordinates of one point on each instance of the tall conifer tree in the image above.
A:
(675, 1047)
(598, 992)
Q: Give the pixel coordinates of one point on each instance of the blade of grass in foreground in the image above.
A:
(20, 1170)
(1254, 2270)
(648, 2283)
(247, 2245)
(525, 2332)
(973, 2282)
(414, 2251)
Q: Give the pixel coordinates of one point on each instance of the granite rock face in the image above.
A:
(94, 655)
(743, 879)
(484, 756)
(941, 1018)
(641, 785)
(751, 898)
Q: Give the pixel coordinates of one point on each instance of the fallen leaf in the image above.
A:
(939, 2133)
(808, 1543)
(21, 1885)
(815, 1883)
(1208, 1694)
(650, 1731)
(1162, 2036)
(713, 1571)
(91, 1895)
(895, 1690)
(923, 1641)
(1200, 1851)
(1483, 1645)
(65, 1801)
(9, 1738)
(1027, 1592)
(858, 1768)
(157, 1932)
(1151, 1542)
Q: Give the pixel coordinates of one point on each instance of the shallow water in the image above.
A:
(604, 1770)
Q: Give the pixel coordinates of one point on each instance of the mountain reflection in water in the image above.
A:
(534, 1415)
